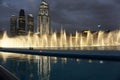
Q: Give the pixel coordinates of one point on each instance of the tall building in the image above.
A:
(13, 25)
(30, 23)
(22, 24)
(43, 18)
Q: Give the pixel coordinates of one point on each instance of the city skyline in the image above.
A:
(85, 14)
(24, 26)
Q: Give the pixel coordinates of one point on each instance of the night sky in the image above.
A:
(72, 14)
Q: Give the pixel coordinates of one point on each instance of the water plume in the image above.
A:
(62, 40)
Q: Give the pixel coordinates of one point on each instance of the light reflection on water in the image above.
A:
(27, 67)
(80, 48)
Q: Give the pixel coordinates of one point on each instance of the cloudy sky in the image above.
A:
(77, 14)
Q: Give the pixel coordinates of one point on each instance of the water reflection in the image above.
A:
(44, 67)
(27, 67)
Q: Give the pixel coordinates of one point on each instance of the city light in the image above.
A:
(44, 38)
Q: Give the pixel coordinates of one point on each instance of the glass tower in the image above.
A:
(22, 24)
(43, 18)
(30, 23)
(13, 25)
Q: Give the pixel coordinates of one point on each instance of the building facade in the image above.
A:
(13, 25)
(43, 18)
(22, 23)
(30, 23)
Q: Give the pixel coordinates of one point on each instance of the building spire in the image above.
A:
(43, 2)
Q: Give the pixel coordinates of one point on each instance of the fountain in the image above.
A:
(63, 40)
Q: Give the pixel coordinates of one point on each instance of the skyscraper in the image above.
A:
(30, 23)
(22, 24)
(43, 18)
(13, 25)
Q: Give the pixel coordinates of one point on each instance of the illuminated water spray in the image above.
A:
(63, 40)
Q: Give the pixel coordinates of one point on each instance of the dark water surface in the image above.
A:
(27, 67)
